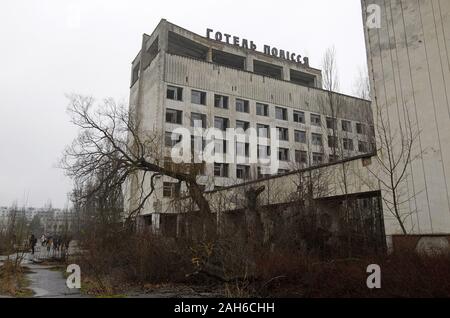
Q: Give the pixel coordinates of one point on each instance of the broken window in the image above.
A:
(300, 136)
(171, 189)
(348, 144)
(331, 123)
(346, 126)
(220, 146)
(332, 142)
(283, 134)
(242, 149)
(221, 170)
(221, 101)
(302, 78)
(221, 123)
(244, 125)
(242, 172)
(175, 93)
(316, 139)
(242, 105)
(174, 116)
(317, 158)
(228, 59)
(363, 146)
(281, 113)
(263, 131)
(171, 139)
(180, 45)
(267, 69)
(198, 97)
(198, 120)
(263, 151)
(152, 52)
(283, 154)
(299, 117)
(301, 157)
(360, 129)
(262, 109)
(315, 120)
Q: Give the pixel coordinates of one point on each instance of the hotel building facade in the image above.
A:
(180, 77)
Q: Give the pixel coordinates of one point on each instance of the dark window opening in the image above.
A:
(180, 45)
(174, 116)
(152, 52)
(242, 106)
(174, 93)
(267, 69)
(221, 101)
(262, 109)
(228, 59)
(302, 78)
(198, 97)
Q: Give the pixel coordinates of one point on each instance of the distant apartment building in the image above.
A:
(408, 51)
(218, 80)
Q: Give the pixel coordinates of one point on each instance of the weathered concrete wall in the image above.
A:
(409, 65)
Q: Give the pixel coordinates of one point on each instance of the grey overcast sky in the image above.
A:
(53, 47)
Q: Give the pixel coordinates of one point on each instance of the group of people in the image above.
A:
(54, 244)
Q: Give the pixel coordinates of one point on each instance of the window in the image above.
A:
(262, 172)
(282, 171)
(316, 139)
(283, 134)
(242, 172)
(331, 123)
(283, 154)
(242, 106)
(171, 139)
(263, 131)
(332, 142)
(300, 136)
(348, 144)
(334, 158)
(198, 120)
(220, 146)
(170, 189)
(221, 170)
(198, 97)
(362, 146)
(346, 126)
(317, 158)
(197, 144)
(221, 101)
(299, 117)
(244, 125)
(281, 113)
(174, 116)
(221, 123)
(263, 151)
(242, 149)
(262, 109)
(301, 157)
(360, 129)
(175, 93)
(315, 120)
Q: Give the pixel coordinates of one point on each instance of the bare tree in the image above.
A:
(114, 147)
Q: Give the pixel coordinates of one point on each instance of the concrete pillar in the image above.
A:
(209, 55)
(249, 63)
(286, 73)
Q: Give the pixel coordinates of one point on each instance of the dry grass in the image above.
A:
(13, 281)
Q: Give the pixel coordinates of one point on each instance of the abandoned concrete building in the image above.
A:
(408, 46)
(226, 82)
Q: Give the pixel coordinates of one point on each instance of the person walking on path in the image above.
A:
(33, 242)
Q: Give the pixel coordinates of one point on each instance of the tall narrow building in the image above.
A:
(408, 51)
